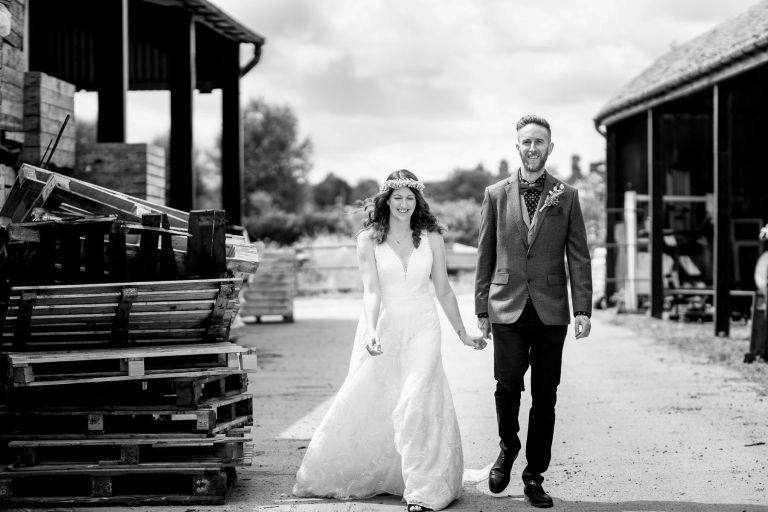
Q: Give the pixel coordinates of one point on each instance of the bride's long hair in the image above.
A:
(378, 212)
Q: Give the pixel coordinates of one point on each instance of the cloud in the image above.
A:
(435, 85)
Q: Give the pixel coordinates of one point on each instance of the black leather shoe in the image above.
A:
(536, 494)
(498, 478)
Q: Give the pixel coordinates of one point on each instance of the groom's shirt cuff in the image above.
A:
(586, 314)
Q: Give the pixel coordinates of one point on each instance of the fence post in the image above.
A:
(630, 225)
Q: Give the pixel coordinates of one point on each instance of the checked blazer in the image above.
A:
(516, 260)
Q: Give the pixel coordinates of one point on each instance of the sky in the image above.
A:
(436, 85)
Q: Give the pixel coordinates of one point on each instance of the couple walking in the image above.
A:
(392, 428)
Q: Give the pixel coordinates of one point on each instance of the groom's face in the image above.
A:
(534, 146)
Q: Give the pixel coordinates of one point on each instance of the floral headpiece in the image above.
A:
(763, 236)
(397, 183)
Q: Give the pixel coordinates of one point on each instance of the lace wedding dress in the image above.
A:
(392, 427)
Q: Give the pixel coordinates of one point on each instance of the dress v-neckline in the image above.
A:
(404, 263)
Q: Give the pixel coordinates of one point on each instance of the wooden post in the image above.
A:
(112, 69)
(611, 202)
(656, 207)
(232, 138)
(630, 228)
(168, 268)
(70, 256)
(721, 119)
(182, 85)
(148, 248)
(94, 255)
(117, 256)
(206, 248)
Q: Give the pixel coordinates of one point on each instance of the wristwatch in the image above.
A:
(577, 313)
(482, 315)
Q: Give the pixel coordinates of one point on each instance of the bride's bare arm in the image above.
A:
(444, 292)
(371, 295)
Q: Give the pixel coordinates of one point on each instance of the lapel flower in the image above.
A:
(553, 198)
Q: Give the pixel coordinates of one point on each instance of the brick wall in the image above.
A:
(135, 169)
(47, 101)
(12, 70)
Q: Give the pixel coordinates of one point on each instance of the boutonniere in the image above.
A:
(553, 198)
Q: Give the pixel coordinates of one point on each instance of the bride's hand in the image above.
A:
(476, 342)
(373, 346)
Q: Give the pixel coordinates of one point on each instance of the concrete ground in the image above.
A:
(640, 427)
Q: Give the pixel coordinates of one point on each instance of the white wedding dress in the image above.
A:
(392, 427)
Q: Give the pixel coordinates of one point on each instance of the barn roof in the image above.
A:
(727, 50)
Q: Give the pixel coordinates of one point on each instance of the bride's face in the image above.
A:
(401, 203)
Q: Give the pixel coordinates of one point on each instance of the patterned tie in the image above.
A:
(531, 192)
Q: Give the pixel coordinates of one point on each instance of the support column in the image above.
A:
(232, 138)
(112, 70)
(721, 118)
(182, 73)
(656, 208)
(611, 209)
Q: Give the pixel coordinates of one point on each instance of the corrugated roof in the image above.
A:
(731, 46)
(217, 19)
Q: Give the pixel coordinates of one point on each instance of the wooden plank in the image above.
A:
(94, 256)
(123, 313)
(148, 258)
(23, 327)
(123, 378)
(139, 307)
(147, 286)
(132, 485)
(213, 416)
(20, 358)
(206, 249)
(118, 266)
(169, 318)
(168, 267)
(171, 297)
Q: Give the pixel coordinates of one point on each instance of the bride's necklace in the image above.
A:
(401, 240)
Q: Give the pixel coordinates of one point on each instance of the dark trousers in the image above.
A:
(516, 346)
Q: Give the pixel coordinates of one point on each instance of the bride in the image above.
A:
(392, 427)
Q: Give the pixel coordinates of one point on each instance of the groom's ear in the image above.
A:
(551, 147)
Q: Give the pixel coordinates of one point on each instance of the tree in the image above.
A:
(276, 161)
(461, 184)
(503, 170)
(333, 190)
(365, 188)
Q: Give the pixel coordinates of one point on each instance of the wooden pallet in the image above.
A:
(184, 392)
(272, 290)
(109, 365)
(37, 190)
(218, 450)
(211, 417)
(151, 312)
(163, 484)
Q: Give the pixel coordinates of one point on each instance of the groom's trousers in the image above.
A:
(528, 342)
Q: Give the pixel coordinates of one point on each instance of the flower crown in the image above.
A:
(397, 183)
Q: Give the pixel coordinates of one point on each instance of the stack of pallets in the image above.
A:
(119, 382)
(272, 290)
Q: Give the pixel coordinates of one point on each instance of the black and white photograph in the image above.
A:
(379, 256)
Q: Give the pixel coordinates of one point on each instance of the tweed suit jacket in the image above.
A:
(515, 261)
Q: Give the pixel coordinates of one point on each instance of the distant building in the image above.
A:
(688, 131)
(55, 48)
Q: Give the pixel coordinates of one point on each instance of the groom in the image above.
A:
(530, 223)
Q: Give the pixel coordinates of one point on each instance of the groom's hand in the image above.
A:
(582, 326)
(484, 324)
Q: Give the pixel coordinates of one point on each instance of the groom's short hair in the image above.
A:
(533, 119)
